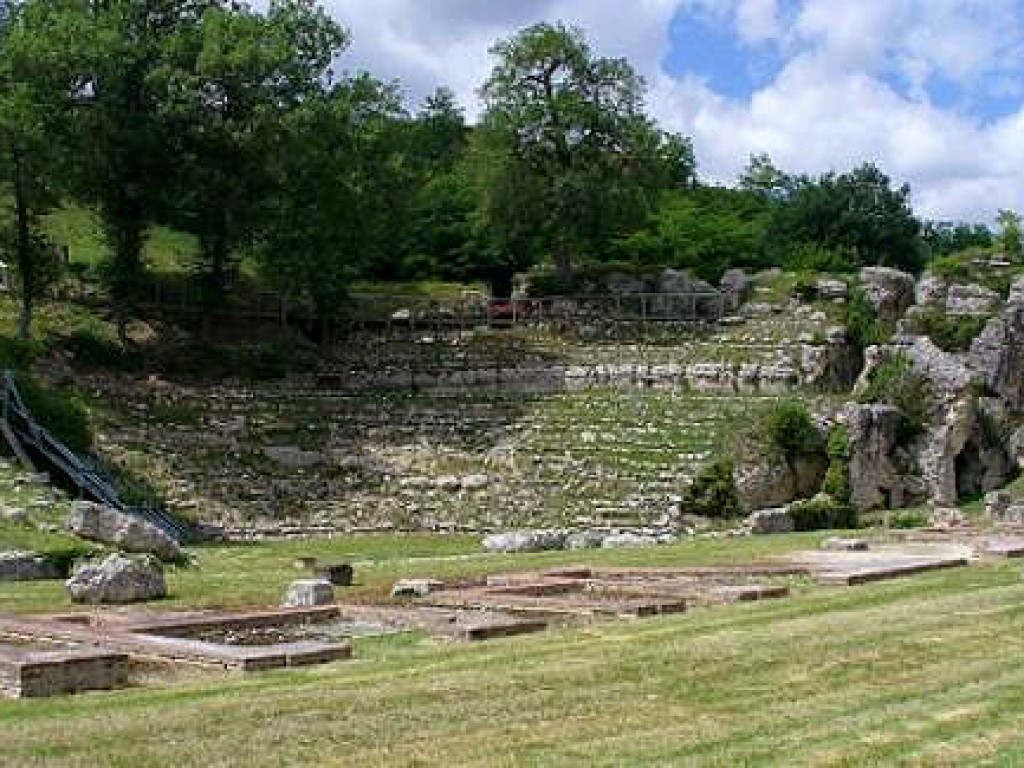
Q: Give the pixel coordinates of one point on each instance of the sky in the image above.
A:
(930, 90)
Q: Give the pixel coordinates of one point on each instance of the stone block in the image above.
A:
(308, 592)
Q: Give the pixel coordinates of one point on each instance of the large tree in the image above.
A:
(33, 146)
(338, 177)
(571, 159)
(228, 86)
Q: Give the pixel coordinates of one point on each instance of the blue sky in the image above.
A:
(931, 90)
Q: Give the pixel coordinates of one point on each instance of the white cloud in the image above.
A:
(834, 103)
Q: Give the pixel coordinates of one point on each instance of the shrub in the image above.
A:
(91, 351)
(862, 323)
(63, 558)
(791, 429)
(896, 383)
(806, 288)
(951, 334)
(58, 410)
(822, 513)
(713, 492)
(837, 478)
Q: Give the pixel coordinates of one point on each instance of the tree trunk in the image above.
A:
(25, 257)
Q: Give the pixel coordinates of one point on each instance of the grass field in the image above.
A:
(922, 671)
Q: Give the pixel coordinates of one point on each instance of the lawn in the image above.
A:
(921, 671)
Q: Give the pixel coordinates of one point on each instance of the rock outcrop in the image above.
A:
(776, 481)
(890, 291)
(997, 356)
(877, 468)
(118, 580)
(98, 522)
(308, 593)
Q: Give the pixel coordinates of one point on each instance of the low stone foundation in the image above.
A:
(28, 674)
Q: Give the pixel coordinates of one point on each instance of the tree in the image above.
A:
(337, 174)
(848, 220)
(944, 238)
(1010, 234)
(231, 81)
(33, 112)
(570, 160)
(762, 177)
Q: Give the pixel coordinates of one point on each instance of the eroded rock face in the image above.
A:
(873, 434)
(118, 580)
(777, 482)
(98, 522)
(890, 291)
(737, 286)
(997, 356)
(26, 566)
(293, 457)
(974, 300)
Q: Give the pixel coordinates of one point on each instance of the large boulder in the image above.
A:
(1016, 292)
(27, 566)
(876, 480)
(890, 291)
(738, 287)
(526, 541)
(975, 300)
(770, 521)
(118, 580)
(776, 481)
(997, 356)
(98, 522)
(931, 291)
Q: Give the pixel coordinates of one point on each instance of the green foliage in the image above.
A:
(823, 513)
(1010, 235)
(951, 334)
(856, 215)
(895, 382)
(837, 477)
(568, 160)
(863, 326)
(706, 230)
(58, 410)
(791, 430)
(64, 558)
(945, 238)
(713, 492)
(971, 266)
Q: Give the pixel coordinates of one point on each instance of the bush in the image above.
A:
(61, 412)
(862, 323)
(713, 492)
(837, 478)
(823, 513)
(64, 558)
(896, 383)
(791, 429)
(951, 334)
(90, 351)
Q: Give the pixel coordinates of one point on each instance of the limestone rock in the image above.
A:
(890, 291)
(26, 566)
(845, 545)
(997, 356)
(770, 521)
(629, 541)
(414, 587)
(475, 482)
(971, 299)
(585, 540)
(775, 482)
(737, 286)
(15, 515)
(830, 290)
(309, 592)
(931, 291)
(997, 504)
(118, 580)
(1015, 447)
(98, 522)
(526, 541)
(947, 517)
(1016, 292)
(293, 457)
(872, 433)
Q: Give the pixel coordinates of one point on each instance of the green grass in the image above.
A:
(922, 671)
